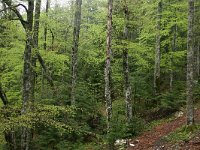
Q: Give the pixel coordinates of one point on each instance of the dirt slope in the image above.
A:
(150, 140)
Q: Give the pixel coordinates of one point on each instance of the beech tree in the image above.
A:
(190, 64)
(108, 68)
(127, 87)
(157, 50)
(77, 23)
(35, 44)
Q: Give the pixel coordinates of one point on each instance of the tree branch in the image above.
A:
(13, 8)
(47, 74)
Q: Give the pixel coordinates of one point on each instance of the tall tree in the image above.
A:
(108, 68)
(190, 64)
(127, 87)
(172, 59)
(45, 28)
(26, 91)
(77, 23)
(35, 44)
(157, 50)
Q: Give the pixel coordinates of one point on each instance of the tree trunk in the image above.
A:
(77, 23)
(198, 61)
(127, 87)
(190, 64)
(108, 68)
(45, 28)
(27, 71)
(172, 59)
(157, 52)
(35, 46)
(3, 96)
(27, 84)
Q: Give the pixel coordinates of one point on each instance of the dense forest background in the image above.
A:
(54, 93)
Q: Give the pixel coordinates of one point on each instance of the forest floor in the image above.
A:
(155, 139)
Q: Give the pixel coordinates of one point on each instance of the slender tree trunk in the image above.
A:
(172, 59)
(3, 96)
(127, 87)
(198, 60)
(52, 39)
(190, 64)
(27, 84)
(108, 68)
(35, 46)
(77, 23)
(157, 52)
(45, 28)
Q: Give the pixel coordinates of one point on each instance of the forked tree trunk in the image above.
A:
(157, 52)
(190, 64)
(127, 87)
(108, 68)
(77, 23)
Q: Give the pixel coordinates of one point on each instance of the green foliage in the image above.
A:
(184, 133)
(56, 125)
(172, 101)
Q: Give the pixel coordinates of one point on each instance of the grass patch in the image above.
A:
(185, 133)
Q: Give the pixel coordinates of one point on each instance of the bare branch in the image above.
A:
(13, 8)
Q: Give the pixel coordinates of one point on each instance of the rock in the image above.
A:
(132, 145)
(179, 114)
(120, 142)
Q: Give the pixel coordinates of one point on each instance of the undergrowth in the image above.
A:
(184, 133)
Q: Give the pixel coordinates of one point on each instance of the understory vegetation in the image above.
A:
(66, 109)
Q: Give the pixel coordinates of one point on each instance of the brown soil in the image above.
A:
(152, 140)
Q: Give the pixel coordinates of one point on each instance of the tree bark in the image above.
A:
(77, 23)
(108, 68)
(27, 84)
(190, 64)
(127, 87)
(158, 52)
